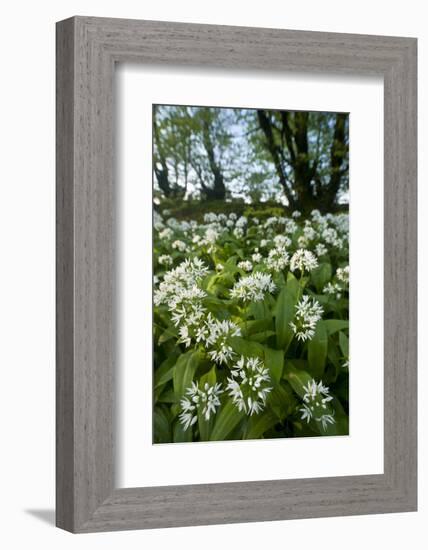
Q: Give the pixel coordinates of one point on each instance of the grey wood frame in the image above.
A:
(87, 50)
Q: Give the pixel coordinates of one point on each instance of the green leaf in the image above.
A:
(321, 275)
(317, 351)
(246, 347)
(164, 373)
(262, 336)
(334, 325)
(259, 424)
(253, 327)
(298, 378)
(344, 344)
(257, 310)
(227, 420)
(167, 335)
(184, 372)
(181, 435)
(161, 426)
(282, 400)
(274, 361)
(284, 313)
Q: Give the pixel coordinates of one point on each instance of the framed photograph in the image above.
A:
(236, 274)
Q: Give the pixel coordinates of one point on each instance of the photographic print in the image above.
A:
(251, 274)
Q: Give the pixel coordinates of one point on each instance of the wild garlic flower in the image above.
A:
(309, 232)
(320, 250)
(302, 241)
(316, 393)
(342, 273)
(180, 285)
(238, 232)
(219, 267)
(205, 401)
(290, 227)
(241, 222)
(215, 334)
(253, 288)
(282, 241)
(211, 235)
(316, 215)
(264, 243)
(249, 385)
(333, 288)
(257, 257)
(179, 245)
(325, 419)
(273, 220)
(308, 313)
(166, 234)
(329, 235)
(296, 214)
(315, 404)
(303, 260)
(165, 259)
(210, 217)
(246, 265)
(277, 259)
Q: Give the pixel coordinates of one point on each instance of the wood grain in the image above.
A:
(87, 50)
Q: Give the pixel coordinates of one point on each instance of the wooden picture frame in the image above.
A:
(87, 50)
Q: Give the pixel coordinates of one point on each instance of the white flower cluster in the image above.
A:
(303, 260)
(308, 313)
(253, 288)
(333, 289)
(246, 265)
(315, 402)
(180, 292)
(249, 385)
(277, 259)
(205, 401)
(165, 259)
(342, 273)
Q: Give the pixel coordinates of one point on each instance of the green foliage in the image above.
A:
(187, 366)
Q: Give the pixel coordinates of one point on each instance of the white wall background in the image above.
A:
(27, 271)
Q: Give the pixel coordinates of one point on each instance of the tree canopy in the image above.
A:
(297, 158)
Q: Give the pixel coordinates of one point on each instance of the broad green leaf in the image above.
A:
(253, 327)
(259, 424)
(184, 372)
(274, 361)
(209, 378)
(317, 351)
(334, 325)
(298, 378)
(257, 310)
(282, 400)
(181, 435)
(321, 275)
(284, 313)
(246, 347)
(164, 373)
(226, 420)
(167, 396)
(262, 336)
(167, 335)
(161, 426)
(344, 344)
